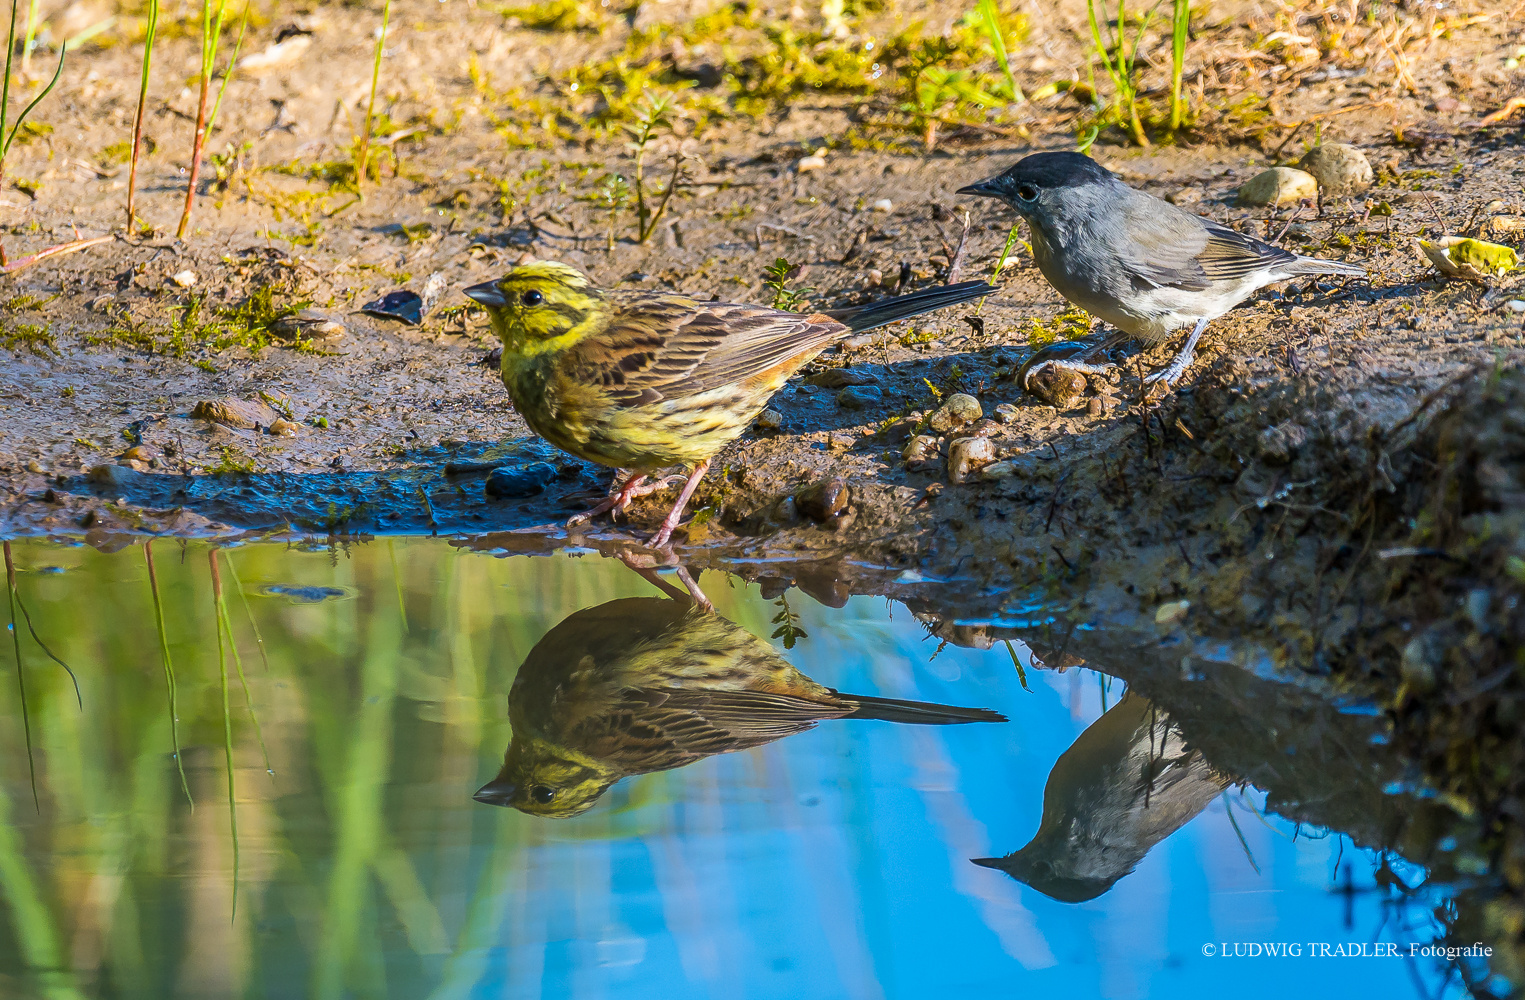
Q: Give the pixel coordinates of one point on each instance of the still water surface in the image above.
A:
(361, 695)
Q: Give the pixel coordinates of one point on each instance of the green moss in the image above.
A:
(1071, 324)
(28, 336)
(232, 463)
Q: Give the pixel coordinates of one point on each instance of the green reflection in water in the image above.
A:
(119, 885)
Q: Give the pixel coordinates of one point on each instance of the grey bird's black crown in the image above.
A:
(1045, 171)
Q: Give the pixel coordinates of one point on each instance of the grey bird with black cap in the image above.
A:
(1139, 263)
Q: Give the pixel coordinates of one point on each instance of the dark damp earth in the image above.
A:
(265, 788)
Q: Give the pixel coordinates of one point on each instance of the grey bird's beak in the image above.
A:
(496, 792)
(982, 862)
(486, 293)
(985, 188)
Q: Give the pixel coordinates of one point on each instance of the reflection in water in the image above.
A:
(1127, 783)
(649, 684)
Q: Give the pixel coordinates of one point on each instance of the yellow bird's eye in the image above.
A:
(532, 298)
(541, 793)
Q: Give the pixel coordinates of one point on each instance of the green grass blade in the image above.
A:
(991, 17)
(232, 64)
(220, 611)
(21, 118)
(169, 670)
(225, 624)
(26, 723)
(362, 160)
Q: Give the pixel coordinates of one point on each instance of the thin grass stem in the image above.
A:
(221, 612)
(211, 34)
(26, 723)
(1180, 23)
(169, 670)
(226, 623)
(137, 120)
(362, 158)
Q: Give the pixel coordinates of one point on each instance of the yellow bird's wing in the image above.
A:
(661, 346)
(653, 729)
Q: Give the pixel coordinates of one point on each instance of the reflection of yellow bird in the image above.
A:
(646, 380)
(1128, 782)
(646, 684)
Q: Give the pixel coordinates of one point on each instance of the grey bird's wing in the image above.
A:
(1166, 246)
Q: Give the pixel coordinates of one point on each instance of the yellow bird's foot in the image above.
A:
(664, 534)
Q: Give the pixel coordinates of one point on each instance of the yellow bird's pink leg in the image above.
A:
(676, 514)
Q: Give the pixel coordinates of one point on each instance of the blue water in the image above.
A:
(834, 863)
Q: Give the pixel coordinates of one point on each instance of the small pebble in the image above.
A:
(805, 164)
(1339, 168)
(960, 409)
(1516, 305)
(520, 480)
(967, 456)
(861, 342)
(860, 397)
(823, 501)
(1007, 414)
(1185, 196)
(282, 428)
(998, 470)
(875, 277)
(770, 420)
(840, 378)
(139, 453)
(185, 279)
(921, 448)
(34, 466)
(1172, 612)
(308, 325)
(1094, 407)
(883, 205)
(1279, 186)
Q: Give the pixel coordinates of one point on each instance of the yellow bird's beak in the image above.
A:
(487, 294)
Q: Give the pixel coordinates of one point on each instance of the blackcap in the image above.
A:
(1139, 263)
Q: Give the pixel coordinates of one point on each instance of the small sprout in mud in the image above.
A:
(33, 337)
(319, 422)
(776, 279)
(788, 623)
(233, 462)
(1071, 324)
(67, 392)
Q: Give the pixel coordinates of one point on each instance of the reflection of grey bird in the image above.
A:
(646, 684)
(1125, 785)
(1139, 263)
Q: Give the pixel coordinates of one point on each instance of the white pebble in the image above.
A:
(809, 163)
(883, 205)
(184, 279)
(1516, 305)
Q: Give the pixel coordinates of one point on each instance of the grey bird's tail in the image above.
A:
(1315, 265)
(919, 713)
(877, 314)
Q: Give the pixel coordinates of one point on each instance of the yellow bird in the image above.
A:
(643, 380)
(648, 684)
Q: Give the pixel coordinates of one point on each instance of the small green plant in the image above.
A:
(206, 109)
(776, 279)
(1180, 23)
(6, 138)
(788, 623)
(556, 15)
(613, 194)
(1119, 60)
(990, 22)
(232, 463)
(653, 117)
(363, 150)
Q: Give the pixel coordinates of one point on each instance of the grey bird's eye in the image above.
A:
(533, 298)
(1027, 192)
(540, 793)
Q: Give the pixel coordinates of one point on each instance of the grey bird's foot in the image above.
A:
(1172, 372)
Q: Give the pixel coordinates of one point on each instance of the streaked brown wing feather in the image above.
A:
(669, 346)
(657, 728)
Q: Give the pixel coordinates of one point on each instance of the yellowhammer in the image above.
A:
(647, 684)
(643, 380)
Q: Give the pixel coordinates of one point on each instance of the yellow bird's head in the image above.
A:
(541, 306)
(543, 779)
